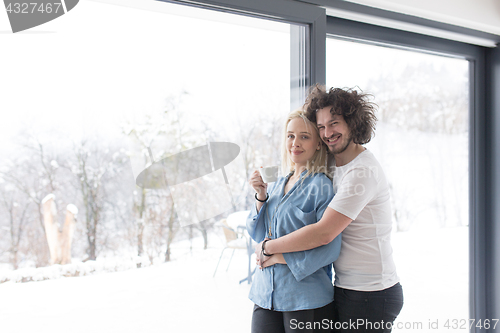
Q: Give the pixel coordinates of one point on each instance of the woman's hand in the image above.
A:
(265, 261)
(277, 258)
(260, 257)
(258, 185)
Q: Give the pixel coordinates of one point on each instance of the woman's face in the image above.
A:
(301, 142)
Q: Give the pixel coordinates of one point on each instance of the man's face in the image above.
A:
(333, 130)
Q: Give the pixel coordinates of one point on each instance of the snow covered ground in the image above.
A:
(182, 295)
(433, 267)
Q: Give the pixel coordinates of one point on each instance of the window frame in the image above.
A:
(310, 64)
(484, 166)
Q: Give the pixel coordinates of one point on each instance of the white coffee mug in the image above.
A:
(269, 174)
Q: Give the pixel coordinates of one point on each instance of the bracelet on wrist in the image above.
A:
(267, 197)
(263, 250)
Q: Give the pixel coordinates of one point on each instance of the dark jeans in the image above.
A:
(303, 321)
(367, 311)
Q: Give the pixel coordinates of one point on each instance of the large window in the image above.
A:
(422, 143)
(101, 103)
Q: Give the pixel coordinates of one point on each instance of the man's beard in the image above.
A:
(343, 148)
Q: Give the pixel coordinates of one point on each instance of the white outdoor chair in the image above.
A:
(234, 240)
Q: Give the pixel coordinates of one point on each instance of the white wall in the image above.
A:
(483, 15)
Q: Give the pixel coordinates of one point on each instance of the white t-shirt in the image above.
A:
(362, 194)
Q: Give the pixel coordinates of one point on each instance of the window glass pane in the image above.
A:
(88, 108)
(422, 143)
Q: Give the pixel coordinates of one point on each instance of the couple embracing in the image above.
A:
(315, 216)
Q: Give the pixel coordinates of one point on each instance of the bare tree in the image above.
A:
(415, 101)
(33, 173)
(17, 209)
(160, 225)
(94, 169)
(154, 137)
(260, 142)
(172, 230)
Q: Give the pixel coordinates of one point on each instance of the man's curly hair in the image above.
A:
(357, 110)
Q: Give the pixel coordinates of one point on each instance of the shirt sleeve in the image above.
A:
(256, 223)
(305, 263)
(357, 188)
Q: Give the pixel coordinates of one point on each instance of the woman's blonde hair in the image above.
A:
(317, 164)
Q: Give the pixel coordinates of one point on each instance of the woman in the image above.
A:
(295, 294)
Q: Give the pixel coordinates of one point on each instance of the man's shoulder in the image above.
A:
(365, 165)
(366, 159)
(370, 166)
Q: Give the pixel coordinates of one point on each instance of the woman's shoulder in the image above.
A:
(320, 177)
(320, 182)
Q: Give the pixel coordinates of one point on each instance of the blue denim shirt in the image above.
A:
(305, 282)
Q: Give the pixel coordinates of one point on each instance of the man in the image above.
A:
(368, 296)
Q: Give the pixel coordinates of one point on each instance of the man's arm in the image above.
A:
(311, 236)
(357, 188)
